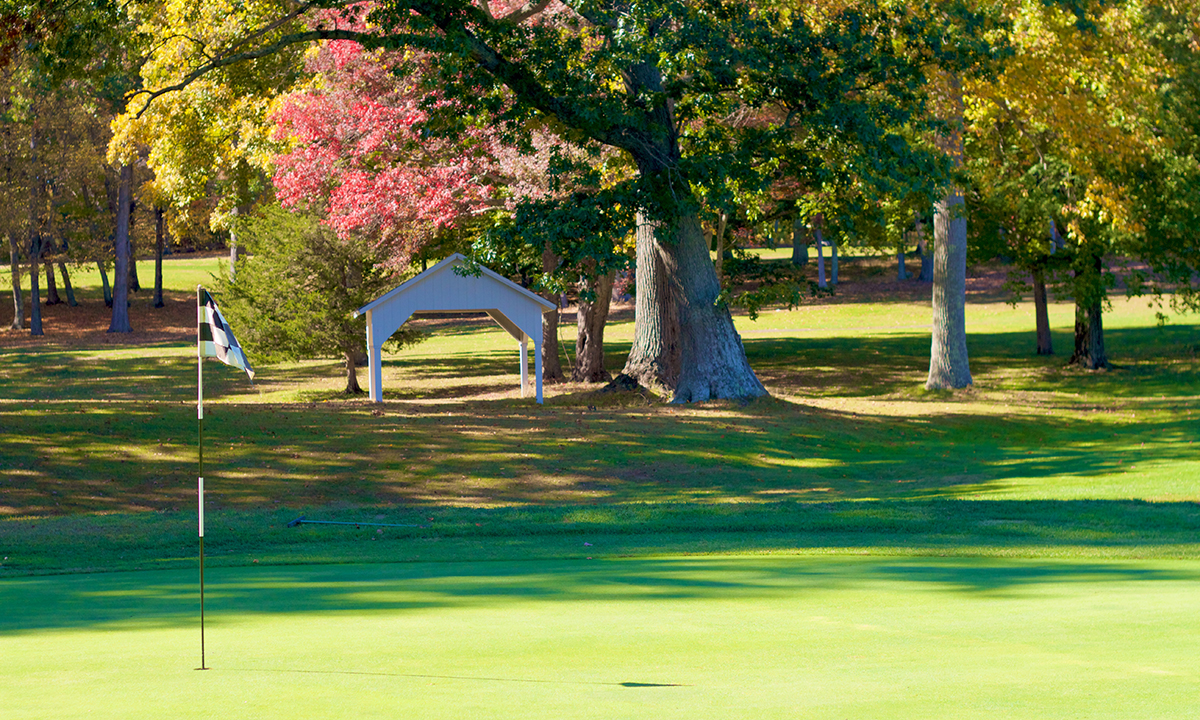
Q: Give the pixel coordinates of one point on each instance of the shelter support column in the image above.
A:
(524, 365)
(537, 367)
(374, 359)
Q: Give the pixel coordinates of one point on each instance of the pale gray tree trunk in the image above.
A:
(654, 356)
(120, 306)
(589, 342)
(949, 367)
(14, 259)
(948, 362)
(901, 273)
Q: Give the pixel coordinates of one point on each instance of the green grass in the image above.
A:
(669, 637)
(853, 546)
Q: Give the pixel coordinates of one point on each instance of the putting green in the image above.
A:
(692, 637)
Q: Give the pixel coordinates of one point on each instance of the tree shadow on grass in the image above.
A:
(170, 599)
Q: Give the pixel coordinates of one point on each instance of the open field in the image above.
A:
(853, 546)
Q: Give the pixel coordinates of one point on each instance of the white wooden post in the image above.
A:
(524, 365)
(374, 359)
(537, 367)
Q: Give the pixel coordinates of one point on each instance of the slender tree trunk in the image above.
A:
(352, 387)
(14, 259)
(719, 240)
(1041, 312)
(1089, 329)
(159, 242)
(104, 282)
(949, 366)
(901, 273)
(135, 285)
(67, 286)
(926, 256)
(799, 246)
(589, 343)
(552, 370)
(48, 250)
(820, 242)
(35, 235)
(833, 263)
(35, 292)
(120, 306)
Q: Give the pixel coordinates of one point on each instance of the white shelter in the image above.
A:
(441, 289)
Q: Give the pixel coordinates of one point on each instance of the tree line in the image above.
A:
(574, 143)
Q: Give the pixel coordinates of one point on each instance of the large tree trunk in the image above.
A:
(589, 343)
(1089, 330)
(120, 306)
(712, 361)
(799, 243)
(949, 366)
(654, 356)
(1041, 312)
(159, 241)
(948, 363)
(552, 370)
(14, 259)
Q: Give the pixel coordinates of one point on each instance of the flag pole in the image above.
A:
(200, 456)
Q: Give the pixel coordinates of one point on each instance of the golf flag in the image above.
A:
(215, 338)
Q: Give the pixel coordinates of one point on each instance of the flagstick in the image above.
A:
(200, 481)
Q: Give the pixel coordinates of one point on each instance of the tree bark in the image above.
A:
(833, 263)
(799, 246)
(552, 370)
(654, 356)
(352, 386)
(1041, 312)
(1089, 329)
(48, 249)
(901, 273)
(589, 342)
(14, 259)
(104, 283)
(713, 362)
(159, 241)
(949, 366)
(67, 286)
(120, 306)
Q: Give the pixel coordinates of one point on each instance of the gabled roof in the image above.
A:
(438, 275)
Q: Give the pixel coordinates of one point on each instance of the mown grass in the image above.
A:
(104, 437)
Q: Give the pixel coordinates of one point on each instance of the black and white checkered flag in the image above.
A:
(215, 338)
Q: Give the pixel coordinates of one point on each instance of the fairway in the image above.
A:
(853, 547)
(672, 637)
